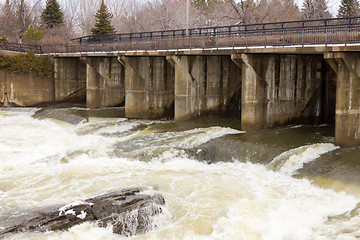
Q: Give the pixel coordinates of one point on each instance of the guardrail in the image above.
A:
(316, 35)
(310, 32)
(17, 47)
(224, 31)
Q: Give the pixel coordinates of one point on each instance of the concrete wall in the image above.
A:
(104, 82)
(149, 87)
(347, 67)
(281, 89)
(70, 80)
(204, 85)
(25, 89)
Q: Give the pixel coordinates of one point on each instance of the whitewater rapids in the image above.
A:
(46, 162)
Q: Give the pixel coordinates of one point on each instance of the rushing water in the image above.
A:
(218, 182)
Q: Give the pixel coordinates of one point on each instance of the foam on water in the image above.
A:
(290, 161)
(203, 201)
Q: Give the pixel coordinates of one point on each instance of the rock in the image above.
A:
(129, 212)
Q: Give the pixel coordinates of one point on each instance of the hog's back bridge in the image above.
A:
(268, 74)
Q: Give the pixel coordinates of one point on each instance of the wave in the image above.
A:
(290, 161)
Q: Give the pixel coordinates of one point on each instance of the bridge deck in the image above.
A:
(315, 49)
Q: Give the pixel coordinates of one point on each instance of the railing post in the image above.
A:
(302, 33)
(246, 37)
(346, 30)
(326, 34)
(264, 35)
(283, 34)
(232, 41)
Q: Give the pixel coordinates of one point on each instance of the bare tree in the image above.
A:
(8, 16)
(19, 16)
(25, 18)
(250, 11)
(80, 14)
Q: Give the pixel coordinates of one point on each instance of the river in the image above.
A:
(219, 182)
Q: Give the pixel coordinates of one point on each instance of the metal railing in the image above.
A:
(17, 47)
(222, 31)
(307, 32)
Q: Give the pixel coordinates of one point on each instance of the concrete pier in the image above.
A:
(280, 89)
(149, 87)
(204, 85)
(104, 82)
(347, 67)
(70, 80)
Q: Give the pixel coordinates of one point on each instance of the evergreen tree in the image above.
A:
(52, 15)
(349, 8)
(321, 9)
(308, 9)
(315, 9)
(103, 21)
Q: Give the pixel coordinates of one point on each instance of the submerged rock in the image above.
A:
(129, 212)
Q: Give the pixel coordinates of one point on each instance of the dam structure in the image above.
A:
(268, 75)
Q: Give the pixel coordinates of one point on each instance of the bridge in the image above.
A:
(269, 74)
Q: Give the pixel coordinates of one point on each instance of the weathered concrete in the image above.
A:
(149, 87)
(280, 89)
(347, 67)
(204, 85)
(104, 82)
(70, 80)
(25, 89)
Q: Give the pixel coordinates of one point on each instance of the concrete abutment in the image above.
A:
(347, 124)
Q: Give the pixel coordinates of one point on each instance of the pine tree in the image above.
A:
(103, 21)
(315, 9)
(321, 9)
(308, 9)
(52, 15)
(349, 8)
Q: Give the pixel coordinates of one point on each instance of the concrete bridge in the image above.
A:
(267, 74)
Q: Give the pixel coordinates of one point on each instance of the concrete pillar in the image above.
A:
(70, 80)
(149, 87)
(280, 89)
(104, 82)
(347, 123)
(204, 85)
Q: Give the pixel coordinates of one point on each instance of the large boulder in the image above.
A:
(129, 211)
